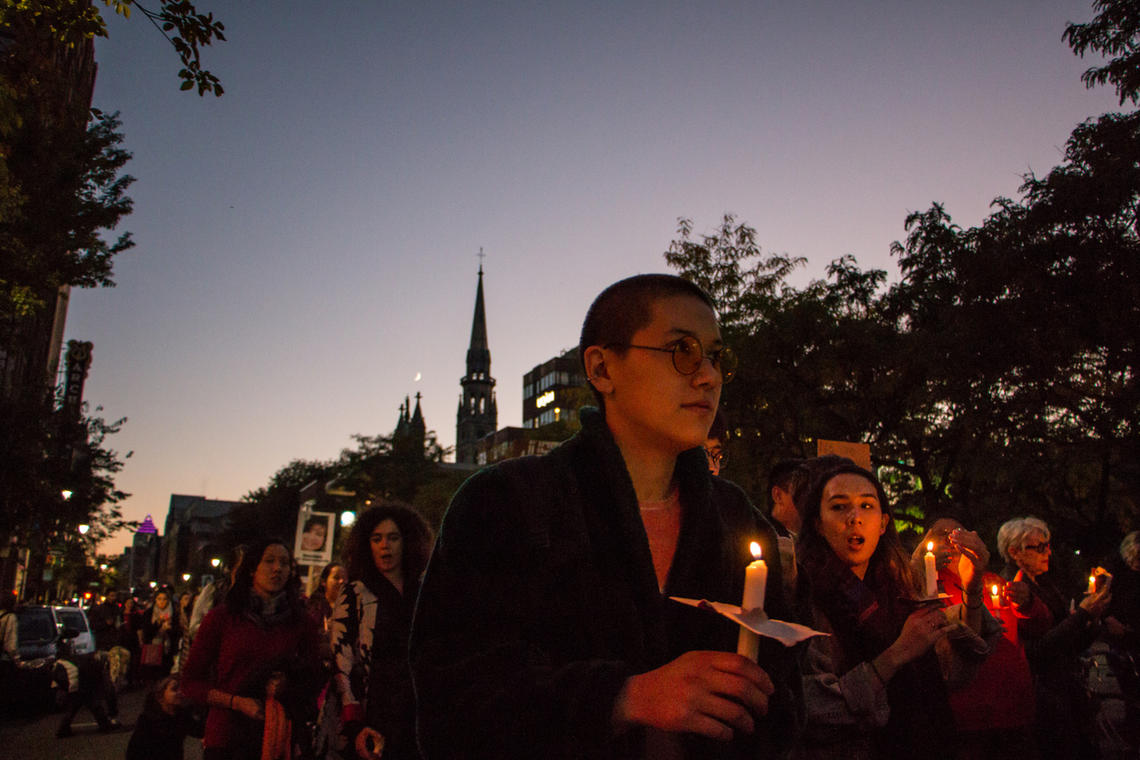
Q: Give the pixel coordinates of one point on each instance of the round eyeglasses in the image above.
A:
(716, 456)
(688, 353)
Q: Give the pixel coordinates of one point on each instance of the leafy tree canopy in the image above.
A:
(71, 22)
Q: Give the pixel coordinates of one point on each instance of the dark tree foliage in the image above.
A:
(393, 467)
(997, 377)
(61, 191)
(69, 192)
(71, 22)
(272, 510)
(1115, 33)
(380, 467)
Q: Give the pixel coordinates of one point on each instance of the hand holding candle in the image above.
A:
(755, 585)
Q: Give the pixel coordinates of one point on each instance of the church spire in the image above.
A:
(417, 426)
(402, 420)
(477, 415)
(478, 353)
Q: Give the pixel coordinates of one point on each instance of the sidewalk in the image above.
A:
(33, 738)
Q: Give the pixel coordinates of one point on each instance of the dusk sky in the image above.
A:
(306, 244)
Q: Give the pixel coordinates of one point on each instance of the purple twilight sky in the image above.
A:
(306, 243)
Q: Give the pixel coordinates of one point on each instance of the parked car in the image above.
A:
(40, 630)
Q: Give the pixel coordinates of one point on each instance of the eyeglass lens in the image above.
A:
(688, 353)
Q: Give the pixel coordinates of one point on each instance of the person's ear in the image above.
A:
(883, 526)
(596, 371)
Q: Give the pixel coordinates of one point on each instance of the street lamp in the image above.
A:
(215, 562)
(347, 518)
(185, 577)
(66, 494)
(83, 528)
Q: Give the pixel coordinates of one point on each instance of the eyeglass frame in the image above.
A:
(1040, 548)
(716, 357)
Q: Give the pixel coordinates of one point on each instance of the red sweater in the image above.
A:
(236, 648)
(1001, 695)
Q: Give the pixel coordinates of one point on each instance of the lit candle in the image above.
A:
(1092, 584)
(755, 583)
(931, 571)
(996, 597)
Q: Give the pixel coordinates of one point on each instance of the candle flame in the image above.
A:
(755, 549)
(929, 546)
(995, 589)
(1092, 580)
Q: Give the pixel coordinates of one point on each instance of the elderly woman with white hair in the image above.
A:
(1053, 636)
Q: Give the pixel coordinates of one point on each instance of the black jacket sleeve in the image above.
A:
(486, 685)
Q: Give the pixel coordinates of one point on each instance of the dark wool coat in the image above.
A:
(541, 600)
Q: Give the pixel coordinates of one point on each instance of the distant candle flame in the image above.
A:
(995, 589)
(755, 549)
(929, 546)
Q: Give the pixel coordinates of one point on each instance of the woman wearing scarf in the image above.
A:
(387, 553)
(874, 688)
(160, 627)
(253, 660)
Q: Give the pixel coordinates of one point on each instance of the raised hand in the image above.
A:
(974, 557)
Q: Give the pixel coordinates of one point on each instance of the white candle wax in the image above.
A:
(755, 584)
(931, 571)
(995, 597)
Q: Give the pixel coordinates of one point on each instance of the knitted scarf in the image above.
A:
(267, 613)
(867, 616)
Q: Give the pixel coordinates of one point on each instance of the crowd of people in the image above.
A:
(541, 621)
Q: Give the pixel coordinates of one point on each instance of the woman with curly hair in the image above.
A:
(252, 661)
(386, 555)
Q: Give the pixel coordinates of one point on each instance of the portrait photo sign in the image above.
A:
(314, 538)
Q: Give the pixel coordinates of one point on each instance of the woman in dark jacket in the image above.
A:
(1053, 637)
(387, 553)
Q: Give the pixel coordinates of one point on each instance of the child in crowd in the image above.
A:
(164, 724)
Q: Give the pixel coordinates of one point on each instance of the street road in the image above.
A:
(33, 737)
